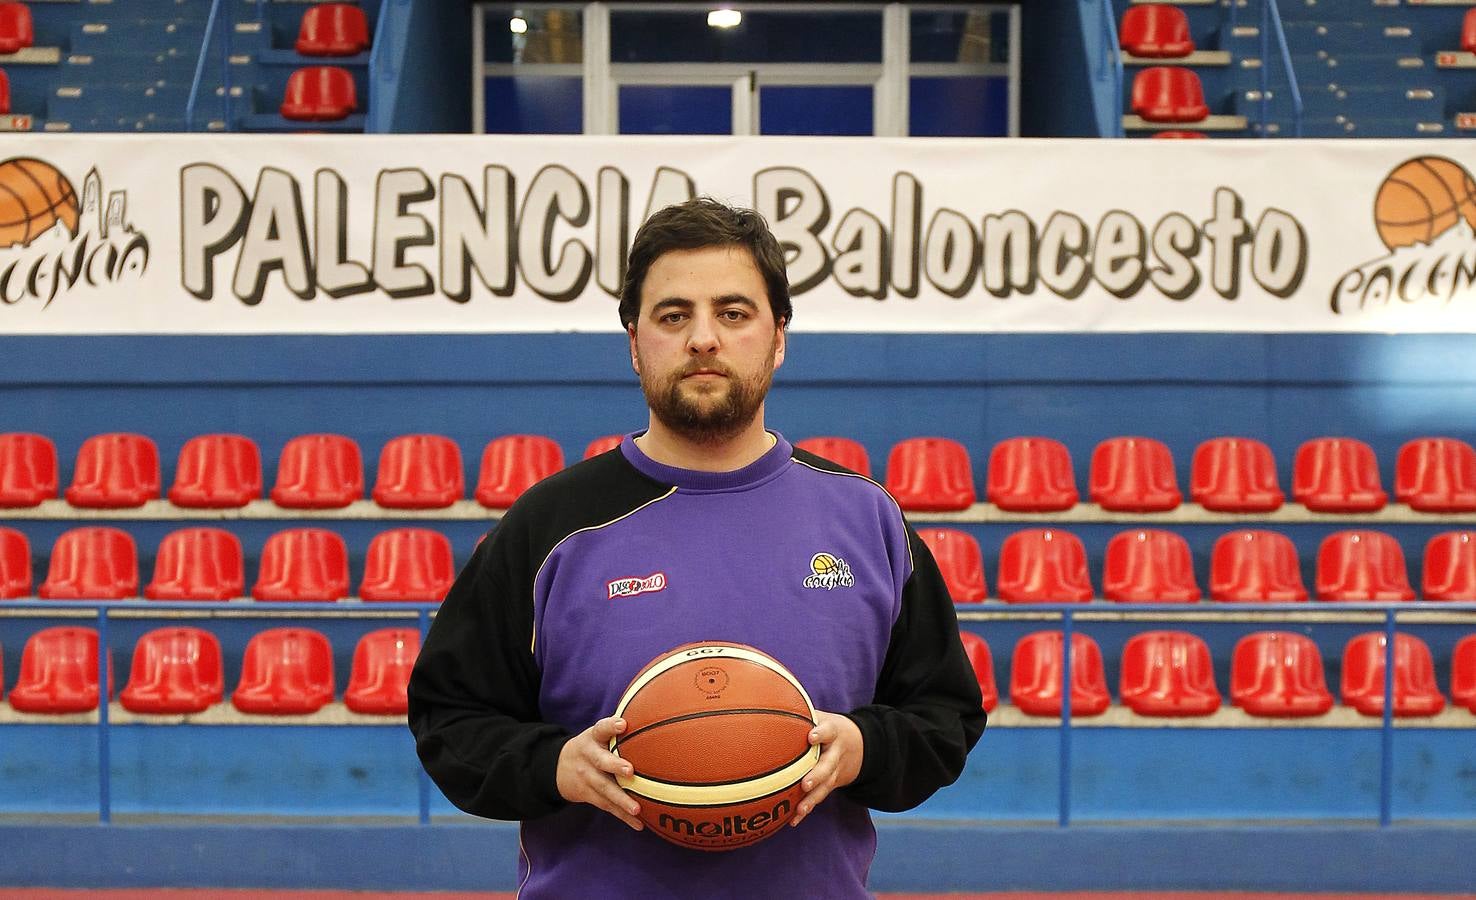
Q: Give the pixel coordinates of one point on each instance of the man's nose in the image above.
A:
(703, 338)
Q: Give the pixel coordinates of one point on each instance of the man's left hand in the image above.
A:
(839, 764)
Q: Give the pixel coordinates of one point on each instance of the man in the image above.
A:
(559, 607)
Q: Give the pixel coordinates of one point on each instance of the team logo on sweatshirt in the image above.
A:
(629, 587)
(829, 571)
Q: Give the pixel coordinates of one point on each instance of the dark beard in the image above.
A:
(705, 423)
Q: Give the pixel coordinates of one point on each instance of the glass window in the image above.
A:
(966, 106)
(946, 36)
(816, 109)
(676, 109)
(533, 34)
(533, 104)
(638, 36)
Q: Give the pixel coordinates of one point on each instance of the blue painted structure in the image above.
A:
(1181, 388)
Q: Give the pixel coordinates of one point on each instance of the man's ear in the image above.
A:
(635, 357)
(781, 336)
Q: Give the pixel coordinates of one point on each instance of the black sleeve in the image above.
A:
(927, 713)
(474, 692)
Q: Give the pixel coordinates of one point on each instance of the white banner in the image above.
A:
(432, 233)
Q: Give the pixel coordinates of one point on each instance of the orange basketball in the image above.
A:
(718, 735)
(33, 197)
(1422, 199)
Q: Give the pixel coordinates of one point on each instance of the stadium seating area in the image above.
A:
(1364, 69)
(131, 66)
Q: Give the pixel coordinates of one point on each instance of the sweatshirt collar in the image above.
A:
(760, 470)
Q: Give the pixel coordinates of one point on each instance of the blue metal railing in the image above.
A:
(421, 612)
(1110, 66)
(213, 22)
(1271, 18)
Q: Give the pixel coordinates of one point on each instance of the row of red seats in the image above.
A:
(1048, 565)
(1169, 94)
(302, 564)
(1136, 474)
(1038, 565)
(1155, 30)
(316, 471)
(326, 93)
(286, 671)
(289, 671)
(1272, 673)
(1026, 474)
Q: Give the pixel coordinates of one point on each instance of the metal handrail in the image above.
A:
(1271, 17)
(205, 45)
(1112, 55)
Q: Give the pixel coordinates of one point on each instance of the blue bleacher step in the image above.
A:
(1352, 104)
(1343, 70)
(1330, 37)
(1337, 10)
(1347, 128)
(95, 38)
(272, 122)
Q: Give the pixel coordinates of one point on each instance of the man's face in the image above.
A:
(705, 344)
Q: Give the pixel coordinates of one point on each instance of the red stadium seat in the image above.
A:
(175, 670)
(513, 463)
(114, 471)
(977, 650)
(1149, 566)
(198, 564)
(319, 94)
(217, 471)
(1168, 673)
(1463, 672)
(1180, 135)
(419, 471)
(1468, 31)
(286, 672)
(58, 672)
(1134, 474)
(1169, 94)
(16, 29)
(1037, 670)
(602, 445)
(1436, 475)
(1415, 690)
(308, 564)
(1450, 567)
(408, 564)
(381, 673)
(960, 561)
(15, 564)
(1278, 674)
(1235, 475)
(1337, 475)
(333, 29)
(4, 93)
(27, 469)
(930, 474)
(1254, 566)
(1155, 30)
(1362, 566)
(1031, 474)
(92, 563)
(319, 471)
(839, 450)
(1043, 565)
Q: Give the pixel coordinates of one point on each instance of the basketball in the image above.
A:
(718, 735)
(822, 563)
(34, 196)
(1422, 199)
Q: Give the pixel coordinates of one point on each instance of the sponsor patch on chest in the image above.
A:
(630, 587)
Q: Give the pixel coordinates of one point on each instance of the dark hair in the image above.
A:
(696, 224)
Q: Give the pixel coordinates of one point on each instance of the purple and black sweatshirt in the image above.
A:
(615, 560)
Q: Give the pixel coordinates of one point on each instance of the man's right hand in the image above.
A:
(587, 771)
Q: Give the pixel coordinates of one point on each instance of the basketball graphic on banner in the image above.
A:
(1422, 199)
(34, 196)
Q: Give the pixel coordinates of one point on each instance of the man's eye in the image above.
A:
(733, 315)
(671, 318)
